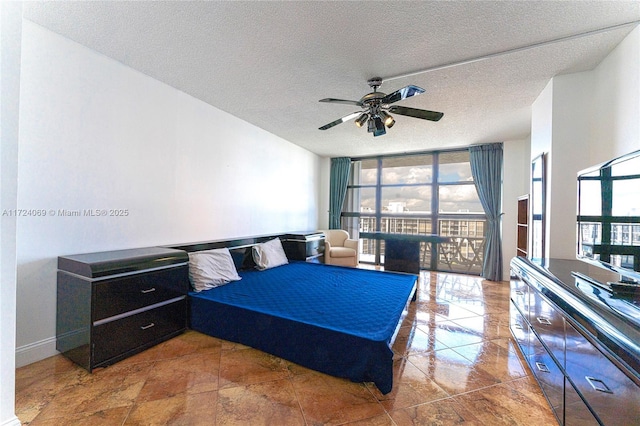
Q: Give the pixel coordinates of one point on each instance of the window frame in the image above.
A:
(433, 216)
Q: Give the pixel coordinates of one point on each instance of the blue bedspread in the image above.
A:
(332, 319)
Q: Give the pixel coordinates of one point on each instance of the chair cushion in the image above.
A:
(342, 252)
(336, 236)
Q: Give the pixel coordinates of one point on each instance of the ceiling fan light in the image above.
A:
(361, 120)
(371, 126)
(378, 126)
(378, 123)
(388, 119)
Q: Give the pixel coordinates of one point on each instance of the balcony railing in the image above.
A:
(463, 254)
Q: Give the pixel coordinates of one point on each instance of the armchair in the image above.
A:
(339, 249)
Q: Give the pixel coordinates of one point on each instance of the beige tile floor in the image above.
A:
(455, 363)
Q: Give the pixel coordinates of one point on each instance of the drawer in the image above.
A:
(605, 388)
(120, 295)
(520, 330)
(520, 295)
(301, 249)
(549, 376)
(315, 247)
(548, 323)
(118, 339)
(576, 411)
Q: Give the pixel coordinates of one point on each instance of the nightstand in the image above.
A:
(111, 305)
(308, 246)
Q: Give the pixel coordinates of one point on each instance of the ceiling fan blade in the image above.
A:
(417, 113)
(341, 101)
(404, 93)
(341, 120)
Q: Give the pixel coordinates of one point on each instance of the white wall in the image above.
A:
(10, 35)
(616, 101)
(97, 135)
(542, 122)
(583, 119)
(572, 116)
(515, 182)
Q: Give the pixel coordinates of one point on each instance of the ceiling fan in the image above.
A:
(376, 108)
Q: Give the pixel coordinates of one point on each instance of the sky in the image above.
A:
(460, 198)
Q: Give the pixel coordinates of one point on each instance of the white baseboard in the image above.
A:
(36, 351)
(14, 421)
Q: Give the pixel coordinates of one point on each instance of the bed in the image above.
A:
(337, 320)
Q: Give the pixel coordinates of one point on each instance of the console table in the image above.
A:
(581, 341)
(111, 305)
(402, 251)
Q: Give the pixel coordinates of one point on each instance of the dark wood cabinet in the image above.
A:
(402, 256)
(111, 305)
(308, 246)
(402, 251)
(581, 344)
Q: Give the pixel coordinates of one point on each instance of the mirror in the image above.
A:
(538, 207)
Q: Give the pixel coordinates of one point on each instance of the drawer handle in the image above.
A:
(598, 384)
(518, 326)
(149, 290)
(146, 327)
(543, 320)
(542, 367)
(519, 292)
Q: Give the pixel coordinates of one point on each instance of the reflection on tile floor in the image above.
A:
(455, 363)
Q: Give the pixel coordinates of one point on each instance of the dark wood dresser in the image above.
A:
(111, 305)
(581, 341)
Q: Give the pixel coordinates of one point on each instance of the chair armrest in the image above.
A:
(352, 244)
(327, 247)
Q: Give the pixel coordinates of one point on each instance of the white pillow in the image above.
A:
(211, 268)
(269, 255)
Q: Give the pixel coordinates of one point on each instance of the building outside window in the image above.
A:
(427, 193)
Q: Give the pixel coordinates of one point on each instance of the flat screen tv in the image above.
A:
(609, 216)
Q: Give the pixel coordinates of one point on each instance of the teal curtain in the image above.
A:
(486, 167)
(338, 182)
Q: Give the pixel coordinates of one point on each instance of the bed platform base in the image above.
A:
(308, 342)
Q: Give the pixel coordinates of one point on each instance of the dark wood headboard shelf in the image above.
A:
(232, 243)
(304, 245)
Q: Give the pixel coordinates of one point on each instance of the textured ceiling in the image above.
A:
(270, 62)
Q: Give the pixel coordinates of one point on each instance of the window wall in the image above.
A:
(426, 193)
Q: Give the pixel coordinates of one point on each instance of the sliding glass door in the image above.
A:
(427, 193)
